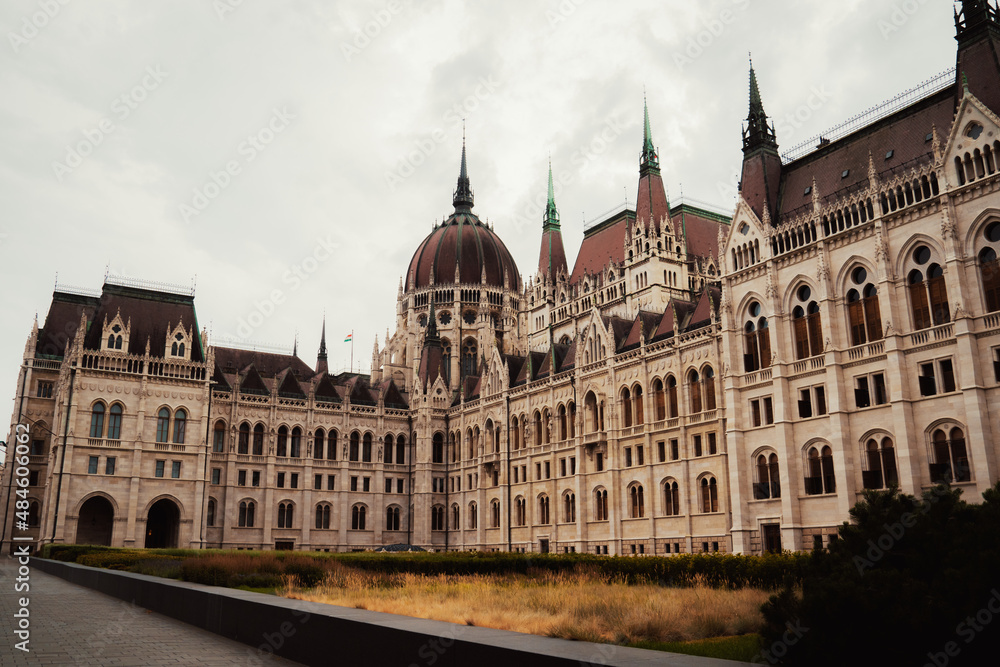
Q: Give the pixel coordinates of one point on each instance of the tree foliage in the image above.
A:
(910, 581)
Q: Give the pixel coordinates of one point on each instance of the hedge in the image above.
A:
(265, 569)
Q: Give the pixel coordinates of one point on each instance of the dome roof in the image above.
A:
(465, 243)
(462, 249)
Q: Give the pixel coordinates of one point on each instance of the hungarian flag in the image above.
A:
(349, 338)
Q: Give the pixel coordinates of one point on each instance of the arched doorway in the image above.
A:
(162, 525)
(97, 518)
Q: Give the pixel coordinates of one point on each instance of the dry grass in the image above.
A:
(580, 605)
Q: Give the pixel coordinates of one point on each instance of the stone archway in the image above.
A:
(163, 525)
(96, 522)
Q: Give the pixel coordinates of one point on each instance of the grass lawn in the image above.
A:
(586, 606)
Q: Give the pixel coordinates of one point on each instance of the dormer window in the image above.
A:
(178, 342)
(889, 154)
(177, 347)
(845, 173)
(116, 333)
(115, 338)
(808, 189)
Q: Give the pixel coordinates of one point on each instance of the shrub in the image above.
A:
(122, 559)
(907, 577)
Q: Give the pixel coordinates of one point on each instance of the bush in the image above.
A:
(907, 577)
(122, 559)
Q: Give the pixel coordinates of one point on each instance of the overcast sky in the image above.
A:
(292, 155)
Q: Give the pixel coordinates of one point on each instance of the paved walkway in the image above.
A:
(73, 625)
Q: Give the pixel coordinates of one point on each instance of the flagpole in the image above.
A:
(352, 350)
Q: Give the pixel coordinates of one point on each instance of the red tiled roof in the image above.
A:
(268, 364)
(645, 322)
(703, 311)
(904, 133)
(601, 246)
(62, 321)
(651, 202)
(551, 255)
(151, 313)
(467, 243)
(702, 232)
(619, 329)
(667, 326)
(432, 364)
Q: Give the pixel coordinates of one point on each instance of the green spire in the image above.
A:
(551, 220)
(649, 159)
(757, 133)
(755, 102)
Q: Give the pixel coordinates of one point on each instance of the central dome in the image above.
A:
(462, 249)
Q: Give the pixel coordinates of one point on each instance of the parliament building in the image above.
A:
(693, 382)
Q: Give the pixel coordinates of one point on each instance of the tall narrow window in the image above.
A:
(219, 437)
(768, 484)
(258, 440)
(569, 508)
(709, 495)
(709, 384)
(659, 400)
(989, 267)
(244, 439)
(636, 503)
(296, 448)
(285, 515)
(180, 425)
(358, 513)
(951, 457)
(282, 447)
(600, 505)
(162, 425)
(355, 446)
(366, 448)
(318, 443)
(392, 518)
(694, 387)
(115, 422)
(672, 397)
(322, 516)
(806, 324)
(671, 499)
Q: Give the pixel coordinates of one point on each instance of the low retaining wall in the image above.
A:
(318, 634)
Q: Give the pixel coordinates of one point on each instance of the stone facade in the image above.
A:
(697, 381)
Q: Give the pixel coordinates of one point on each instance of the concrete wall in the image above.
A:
(317, 634)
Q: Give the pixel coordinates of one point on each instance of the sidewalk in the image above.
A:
(72, 625)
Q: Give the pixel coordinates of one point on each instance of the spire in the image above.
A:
(463, 193)
(551, 255)
(757, 133)
(295, 345)
(649, 160)
(551, 220)
(975, 15)
(321, 365)
(432, 337)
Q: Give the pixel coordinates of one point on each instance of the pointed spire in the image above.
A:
(757, 133)
(321, 364)
(432, 337)
(295, 345)
(463, 198)
(551, 220)
(649, 159)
